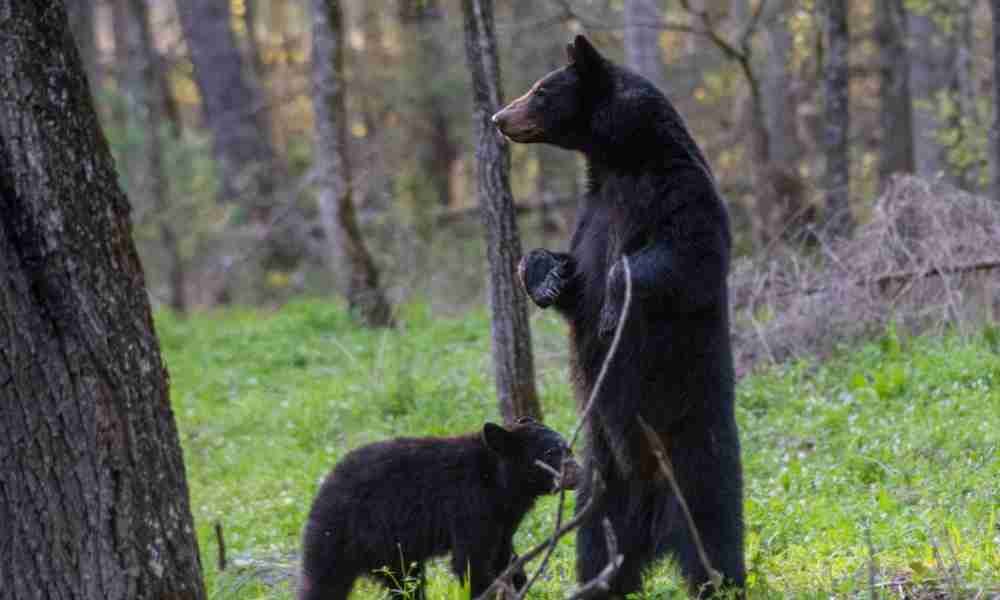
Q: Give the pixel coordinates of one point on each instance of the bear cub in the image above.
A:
(387, 507)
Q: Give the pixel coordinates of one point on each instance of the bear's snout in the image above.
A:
(515, 122)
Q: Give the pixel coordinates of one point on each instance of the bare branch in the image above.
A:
(585, 414)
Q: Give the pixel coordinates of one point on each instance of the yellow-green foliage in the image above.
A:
(897, 441)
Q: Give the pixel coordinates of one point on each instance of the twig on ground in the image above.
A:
(665, 467)
(222, 546)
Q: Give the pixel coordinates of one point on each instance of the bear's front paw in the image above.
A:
(544, 276)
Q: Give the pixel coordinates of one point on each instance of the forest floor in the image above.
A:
(875, 473)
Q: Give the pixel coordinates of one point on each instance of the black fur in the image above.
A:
(652, 197)
(392, 505)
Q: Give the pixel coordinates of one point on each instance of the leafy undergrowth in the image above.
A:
(878, 470)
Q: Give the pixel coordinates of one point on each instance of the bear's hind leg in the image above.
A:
(632, 535)
(721, 530)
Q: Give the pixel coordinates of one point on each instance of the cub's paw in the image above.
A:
(544, 276)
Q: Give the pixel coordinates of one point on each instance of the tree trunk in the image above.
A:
(782, 210)
(780, 100)
(81, 24)
(512, 357)
(642, 40)
(347, 249)
(426, 33)
(965, 118)
(896, 104)
(995, 133)
(147, 91)
(931, 62)
(233, 106)
(837, 121)
(93, 496)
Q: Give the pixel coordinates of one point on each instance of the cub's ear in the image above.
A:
(582, 54)
(499, 440)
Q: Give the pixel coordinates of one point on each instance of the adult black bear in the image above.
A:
(651, 197)
(394, 504)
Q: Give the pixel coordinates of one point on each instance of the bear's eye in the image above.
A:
(541, 92)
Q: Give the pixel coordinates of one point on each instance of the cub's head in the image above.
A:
(557, 108)
(525, 444)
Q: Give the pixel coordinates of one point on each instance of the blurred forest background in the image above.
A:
(807, 110)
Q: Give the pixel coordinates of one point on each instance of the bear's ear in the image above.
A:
(582, 54)
(499, 440)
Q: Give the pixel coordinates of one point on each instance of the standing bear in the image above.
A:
(651, 198)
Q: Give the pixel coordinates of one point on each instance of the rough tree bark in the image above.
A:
(642, 40)
(348, 254)
(81, 24)
(93, 496)
(896, 105)
(511, 333)
(234, 108)
(837, 118)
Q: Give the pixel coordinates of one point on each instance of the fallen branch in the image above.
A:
(883, 280)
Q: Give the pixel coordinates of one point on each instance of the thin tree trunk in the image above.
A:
(965, 118)
(837, 119)
(234, 108)
(348, 252)
(250, 21)
(896, 104)
(512, 356)
(931, 62)
(93, 496)
(780, 101)
(642, 40)
(995, 133)
(423, 24)
(150, 103)
(781, 209)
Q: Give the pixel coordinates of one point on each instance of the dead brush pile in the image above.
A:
(928, 258)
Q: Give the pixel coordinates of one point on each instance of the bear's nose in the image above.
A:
(496, 118)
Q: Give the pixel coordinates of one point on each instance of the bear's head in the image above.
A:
(556, 110)
(521, 447)
(599, 108)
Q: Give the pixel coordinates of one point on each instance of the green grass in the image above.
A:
(885, 456)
